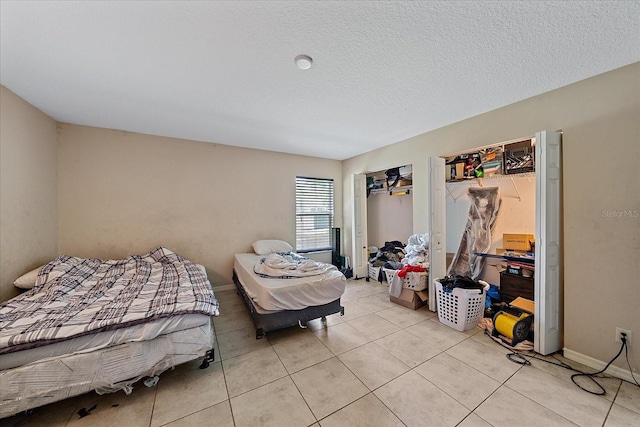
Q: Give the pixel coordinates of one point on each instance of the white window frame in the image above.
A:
(314, 213)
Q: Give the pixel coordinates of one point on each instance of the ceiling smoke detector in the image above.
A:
(303, 62)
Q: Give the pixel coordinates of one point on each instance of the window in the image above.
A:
(314, 213)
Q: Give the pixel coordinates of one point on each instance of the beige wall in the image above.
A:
(600, 120)
(124, 193)
(389, 218)
(28, 190)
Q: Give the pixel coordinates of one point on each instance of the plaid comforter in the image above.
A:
(76, 296)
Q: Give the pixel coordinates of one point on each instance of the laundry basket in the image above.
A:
(459, 308)
(389, 273)
(419, 284)
(374, 273)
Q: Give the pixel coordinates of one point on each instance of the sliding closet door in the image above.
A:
(548, 317)
(359, 225)
(438, 227)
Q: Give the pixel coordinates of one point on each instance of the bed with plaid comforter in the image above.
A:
(79, 296)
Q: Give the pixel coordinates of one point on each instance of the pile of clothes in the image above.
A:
(389, 256)
(410, 269)
(416, 260)
(417, 250)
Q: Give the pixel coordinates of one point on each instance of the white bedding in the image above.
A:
(275, 294)
(87, 343)
(289, 265)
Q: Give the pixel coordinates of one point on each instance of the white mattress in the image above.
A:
(273, 294)
(106, 370)
(87, 343)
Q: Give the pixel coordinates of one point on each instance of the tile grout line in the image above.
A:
(613, 401)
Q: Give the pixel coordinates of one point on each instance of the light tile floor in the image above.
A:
(378, 365)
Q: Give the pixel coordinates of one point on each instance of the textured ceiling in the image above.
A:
(223, 72)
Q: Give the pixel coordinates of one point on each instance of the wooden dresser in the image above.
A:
(513, 286)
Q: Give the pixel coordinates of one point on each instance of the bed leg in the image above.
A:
(341, 311)
(323, 319)
(260, 333)
(209, 357)
(151, 381)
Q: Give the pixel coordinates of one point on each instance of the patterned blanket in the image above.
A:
(289, 265)
(75, 296)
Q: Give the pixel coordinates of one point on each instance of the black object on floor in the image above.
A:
(84, 411)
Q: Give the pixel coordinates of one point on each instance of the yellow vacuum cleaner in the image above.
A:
(513, 323)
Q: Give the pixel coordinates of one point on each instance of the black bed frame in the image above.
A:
(283, 319)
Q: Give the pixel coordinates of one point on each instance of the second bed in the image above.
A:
(276, 303)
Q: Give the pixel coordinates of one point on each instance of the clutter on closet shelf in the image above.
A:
(395, 181)
(504, 159)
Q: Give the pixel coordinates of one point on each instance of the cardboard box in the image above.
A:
(411, 299)
(518, 242)
(524, 304)
(455, 171)
(462, 166)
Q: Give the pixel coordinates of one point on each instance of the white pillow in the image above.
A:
(27, 280)
(266, 247)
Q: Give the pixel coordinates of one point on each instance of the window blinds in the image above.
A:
(314, 213)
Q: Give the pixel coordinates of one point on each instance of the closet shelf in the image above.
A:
(498, 177)
(480, 182)
(388, 190)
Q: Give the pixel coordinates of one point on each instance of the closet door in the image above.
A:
(548, 317)
(359, 225)
(438, 227)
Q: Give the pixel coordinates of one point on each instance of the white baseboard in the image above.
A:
(615, 371)
(223, 288)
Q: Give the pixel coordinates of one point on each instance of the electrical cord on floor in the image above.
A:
(626, 354)
(521, 359)
(592, 375)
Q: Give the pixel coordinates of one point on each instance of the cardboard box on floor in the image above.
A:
(411, 299)
(524, 304)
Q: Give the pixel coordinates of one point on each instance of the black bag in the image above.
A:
(347, 270)
(394, 175)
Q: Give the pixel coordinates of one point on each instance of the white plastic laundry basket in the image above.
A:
(419, 283)
(460, 308)
(374, 273)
